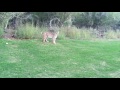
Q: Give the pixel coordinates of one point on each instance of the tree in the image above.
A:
(89, 19)
(5, 17)
(45, 17)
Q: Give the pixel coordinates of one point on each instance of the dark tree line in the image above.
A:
(78, 19)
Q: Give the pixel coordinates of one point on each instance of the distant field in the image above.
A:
(67, 59)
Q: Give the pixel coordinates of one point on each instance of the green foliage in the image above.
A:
(86, 33)
(71, 32)
(31, 32)
(109, 20)
(62, 33)
(1, 31)
(89, 19)
(111, 34)
(79, 19)
(96, 19)
(45, 17)
(28, 32)
(5, 17)
(76, 33)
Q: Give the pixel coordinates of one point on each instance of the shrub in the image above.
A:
(29, 32)
(1, 31)
(75, 33)
(111, 34)
(86, 33)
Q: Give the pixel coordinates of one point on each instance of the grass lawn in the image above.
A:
(66, 59)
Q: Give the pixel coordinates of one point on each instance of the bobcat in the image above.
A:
(50, 34)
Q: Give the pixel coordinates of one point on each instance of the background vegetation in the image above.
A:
(73, 25)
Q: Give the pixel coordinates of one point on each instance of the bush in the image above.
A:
(1, 31)
(71, 32)
(86, 33)
(29, 32)
(61, 33)
(110, 34)
(75, 33)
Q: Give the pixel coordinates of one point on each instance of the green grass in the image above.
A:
(67, 59)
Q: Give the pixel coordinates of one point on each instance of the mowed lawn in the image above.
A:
(66, 59)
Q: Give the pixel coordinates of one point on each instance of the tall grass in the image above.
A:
(75, 33)
(88, 33)
(111, 34)
(29, 32)
(1, 31)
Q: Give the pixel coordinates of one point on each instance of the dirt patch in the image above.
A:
(9, 34)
